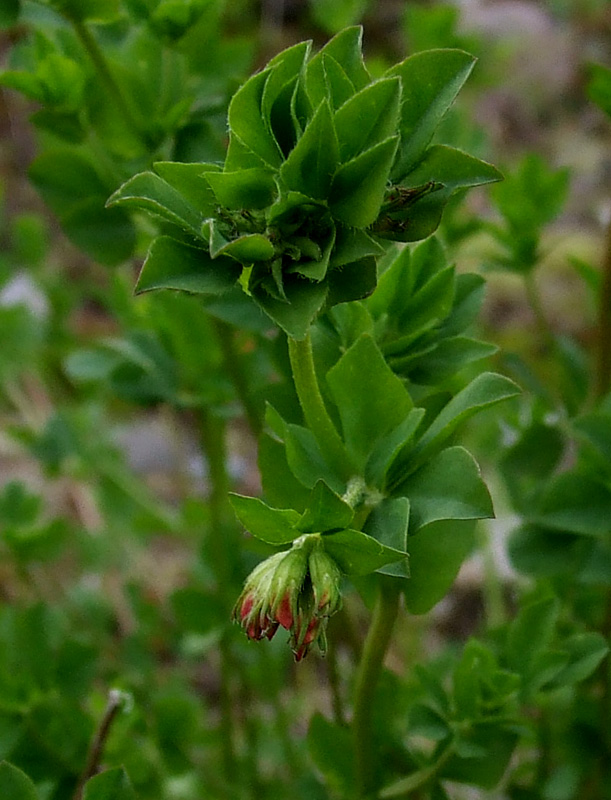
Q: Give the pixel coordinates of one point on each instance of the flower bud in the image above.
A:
(325, 578)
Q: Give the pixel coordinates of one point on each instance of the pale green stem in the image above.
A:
(368, 673)
(314, 409)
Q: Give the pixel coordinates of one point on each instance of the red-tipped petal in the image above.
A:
(247, 607)
(284, 615)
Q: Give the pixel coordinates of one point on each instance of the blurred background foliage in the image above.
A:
(125, 421)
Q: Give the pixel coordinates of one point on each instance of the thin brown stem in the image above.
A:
(96, 750)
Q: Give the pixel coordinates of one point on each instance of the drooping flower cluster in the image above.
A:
(298, 589)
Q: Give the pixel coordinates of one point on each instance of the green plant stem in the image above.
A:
(603, 366)
(98, 59)
(233, 364)
(409, 787)
(314, 409)
(368, 673)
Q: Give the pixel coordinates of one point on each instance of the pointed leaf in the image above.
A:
(326, 511)
(360, 184)
(271, 525)
(353, 244)
(245, 188)
(357, 553)
(390, 445)
(346, 49)
(15, 784)
(585, 652)
(370, 398)
(352, 281)
(431, 80)
(151, 193)
(247, 122)
(449, 486)
(368, 117)
(485, 390)
(312, 162)
(304, 301)
(189, 181)
(174, 265)
(388, 523)
(306, 461)
(452, 168)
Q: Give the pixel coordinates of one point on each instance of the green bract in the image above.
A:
(323, 165)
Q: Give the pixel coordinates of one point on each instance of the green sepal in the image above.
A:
(248, 124)
(359, 185)
(326, 511)
(368, 118)
(149, 192)
(431, 80)
(272, 525)
(356, 553)
(370, 398)
(245, 188)
(171, 264)
(311, 164)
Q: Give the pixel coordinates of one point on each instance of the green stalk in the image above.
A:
(233, 365)
(367, 676)
(98, 59)
(314, 409)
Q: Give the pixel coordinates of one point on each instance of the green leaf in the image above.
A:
(311, 164)
(449, 357)
(360, 184)
(353, 282)
(390, 445)
(368, 118)
(345, 49)
(272, 525)
(247, 188)
(327, 81)
(388, 524)
(325, 511)
(530, 633)
(280, 486)
(331, 749)
(585, 652)
(353, 244)
(485, 390)
(240, 156)
(105, 234)
(449, 486)
(539, 552)
(15, 784)
(247, 123)
(151, 193)
(370, 398)
(492, 748)
(575, 502)
(357, 553)
(304, 299)
(435, 556)
(306, 461)
(113, 784)
(174, 265)
(452, 168)
(431, 81)
(595, 429)
(189, 181)
(425, 721)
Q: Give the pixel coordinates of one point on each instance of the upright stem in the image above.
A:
(368, 673)
(96, 750)
(313, 406)
(603, 366)
(113, 88)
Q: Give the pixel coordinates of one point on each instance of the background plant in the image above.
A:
(113, 583)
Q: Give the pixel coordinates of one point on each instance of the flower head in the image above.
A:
(298, 589)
